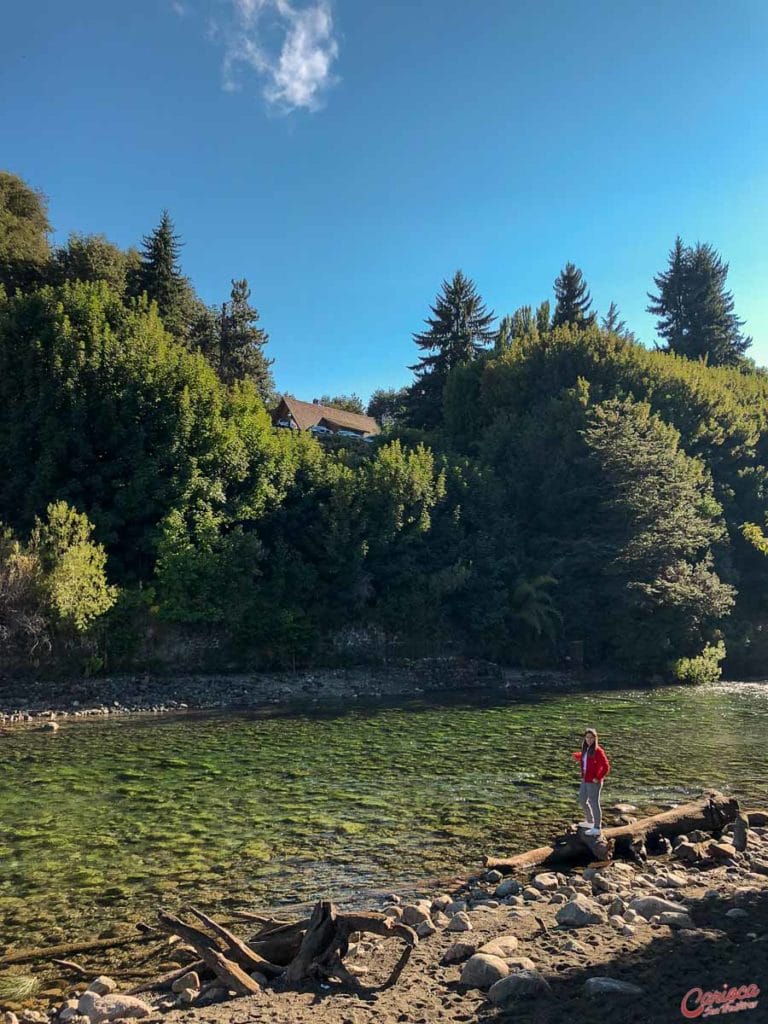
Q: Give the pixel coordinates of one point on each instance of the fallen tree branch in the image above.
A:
(68, 948)
(709, 813)
(208, 950)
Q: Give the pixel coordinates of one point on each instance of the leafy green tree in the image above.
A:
(74, 567)
(101, 408)
(695, 311)
(658, 515)
(24, 230)
(457, 332)
(351, 403)
(53, 589)
(543, 318)
(160, 278)
(573, 298)
(92, 258)
(387, 406)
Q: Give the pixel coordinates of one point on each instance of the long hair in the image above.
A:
(590, 748)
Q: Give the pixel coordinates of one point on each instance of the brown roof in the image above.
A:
(308, 414)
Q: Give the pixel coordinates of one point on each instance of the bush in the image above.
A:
(54, 589)
(704, 668)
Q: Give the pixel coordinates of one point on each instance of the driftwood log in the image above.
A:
(70, 948)
(289, 953)
(709, 814)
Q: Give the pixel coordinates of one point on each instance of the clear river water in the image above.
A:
(105, 821)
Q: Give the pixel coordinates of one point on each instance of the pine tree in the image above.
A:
(613, 323)
(457, 332)
(241, 347)
(696, 313)
(573, 298)
(160, 276)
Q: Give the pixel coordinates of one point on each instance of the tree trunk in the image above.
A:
(709, 814)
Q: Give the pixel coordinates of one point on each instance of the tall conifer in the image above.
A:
(458, 330)
(160, 276)
(573, 298)
(695, 312)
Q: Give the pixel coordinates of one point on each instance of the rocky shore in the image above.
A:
(617, 941)
(47, 702)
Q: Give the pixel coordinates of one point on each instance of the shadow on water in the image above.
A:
(732, 952)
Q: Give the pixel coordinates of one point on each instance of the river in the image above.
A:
(104, 821)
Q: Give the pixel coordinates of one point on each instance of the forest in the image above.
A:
(545, 484)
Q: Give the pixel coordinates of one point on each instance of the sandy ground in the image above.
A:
(665, 963)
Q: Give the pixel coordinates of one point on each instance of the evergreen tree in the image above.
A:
(457, 332)
(613, 323)
(241, 348)
(573, 298)
(696, 313)
(159, 275)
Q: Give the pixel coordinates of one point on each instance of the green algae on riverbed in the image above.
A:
(102, 822)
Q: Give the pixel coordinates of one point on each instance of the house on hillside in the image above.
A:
(323, 419)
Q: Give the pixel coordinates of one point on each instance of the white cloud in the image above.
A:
(289, 44)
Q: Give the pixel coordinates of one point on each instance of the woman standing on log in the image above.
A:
(594, 768)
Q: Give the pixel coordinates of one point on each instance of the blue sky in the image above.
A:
(346, 155)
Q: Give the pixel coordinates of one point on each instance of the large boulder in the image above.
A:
(415, 914)
(610, 987)
(111, 1007)
(547, 881)
(651, 906)
(509, 887)
(483, 970)
(503, 946)
(520, 985)
(688, 852)
(103, 985)
(721, 851)
(579, 912)
(189, 981)
(458, 953)
(459, 923)
(676, 919)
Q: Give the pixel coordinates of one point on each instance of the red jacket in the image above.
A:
(597, 765)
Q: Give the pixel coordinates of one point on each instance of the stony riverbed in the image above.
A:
(616, 942)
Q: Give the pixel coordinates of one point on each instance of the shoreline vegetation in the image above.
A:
(546, 492)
